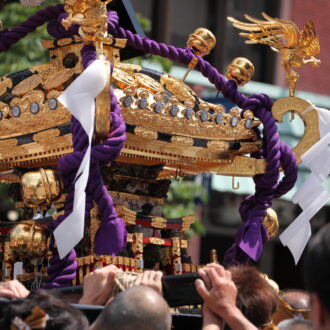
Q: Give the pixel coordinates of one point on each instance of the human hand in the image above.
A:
(152, 279)
(210, 320)
(219, 293)
(13, 289)
(217, 289)
(98, 286)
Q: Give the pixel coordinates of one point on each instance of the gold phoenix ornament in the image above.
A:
(284, 37)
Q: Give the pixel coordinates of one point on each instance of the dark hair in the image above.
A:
(256, 299)
(61, 315)
(139, 307)
(317, 266)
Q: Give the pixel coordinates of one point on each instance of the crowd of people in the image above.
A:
(235, 298)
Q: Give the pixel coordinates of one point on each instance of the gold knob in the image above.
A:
(271, 224)
(40, 187)
(29, 240)
(240, 70)
(201, 41)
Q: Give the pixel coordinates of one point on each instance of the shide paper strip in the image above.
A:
(79, 99)
(311, 196)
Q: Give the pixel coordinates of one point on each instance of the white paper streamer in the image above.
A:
(311, 196)
(78, 98)
(18, 269)
(296, 236)
(317, 158)
(310, 190)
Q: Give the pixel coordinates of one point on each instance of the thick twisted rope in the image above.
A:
(9, 38)
(111, 235)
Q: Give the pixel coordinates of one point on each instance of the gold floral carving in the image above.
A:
(249, 147)
(148, 83)
(145, 133)
(177, 125)
(28, 122)
(58, 79)
(129, 68)
(156, 241)
(27, 85)
(5, 83)
(184, 244)
(64, 42)
(177, 88)
(218, 145)
(43, 70)
(45, 135)
(182, 140)
(158, 222)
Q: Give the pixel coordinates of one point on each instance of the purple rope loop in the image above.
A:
(251, 235)
(9, 38)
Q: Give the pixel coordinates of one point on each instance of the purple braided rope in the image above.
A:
(111, 236)
(9, 38)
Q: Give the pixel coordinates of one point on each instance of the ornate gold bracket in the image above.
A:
(307, 113)
(102, 108)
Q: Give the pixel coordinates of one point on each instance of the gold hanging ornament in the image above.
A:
(271, 224)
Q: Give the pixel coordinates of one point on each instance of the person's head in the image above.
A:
(295, 324)
(317, 274)
(139, 307)
(292, 303)
(255, 297)
(59, 315)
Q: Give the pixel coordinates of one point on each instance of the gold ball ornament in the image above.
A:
(40, 187)
(29, 240)
(241, 70)
(201, 41)
(271, 224)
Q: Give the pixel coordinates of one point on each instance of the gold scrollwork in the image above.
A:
(307, 113)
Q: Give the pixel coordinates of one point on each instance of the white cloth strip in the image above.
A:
(296, 236)
(79, 99)
(308, 192)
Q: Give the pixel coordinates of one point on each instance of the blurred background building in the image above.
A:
(172, 21)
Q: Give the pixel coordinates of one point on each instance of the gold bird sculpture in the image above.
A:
(284, 37)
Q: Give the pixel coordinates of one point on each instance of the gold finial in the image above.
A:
(271, 224)
(284, 37)
(201, 42)
(91, 16)
(214, 256)
(240, 70)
